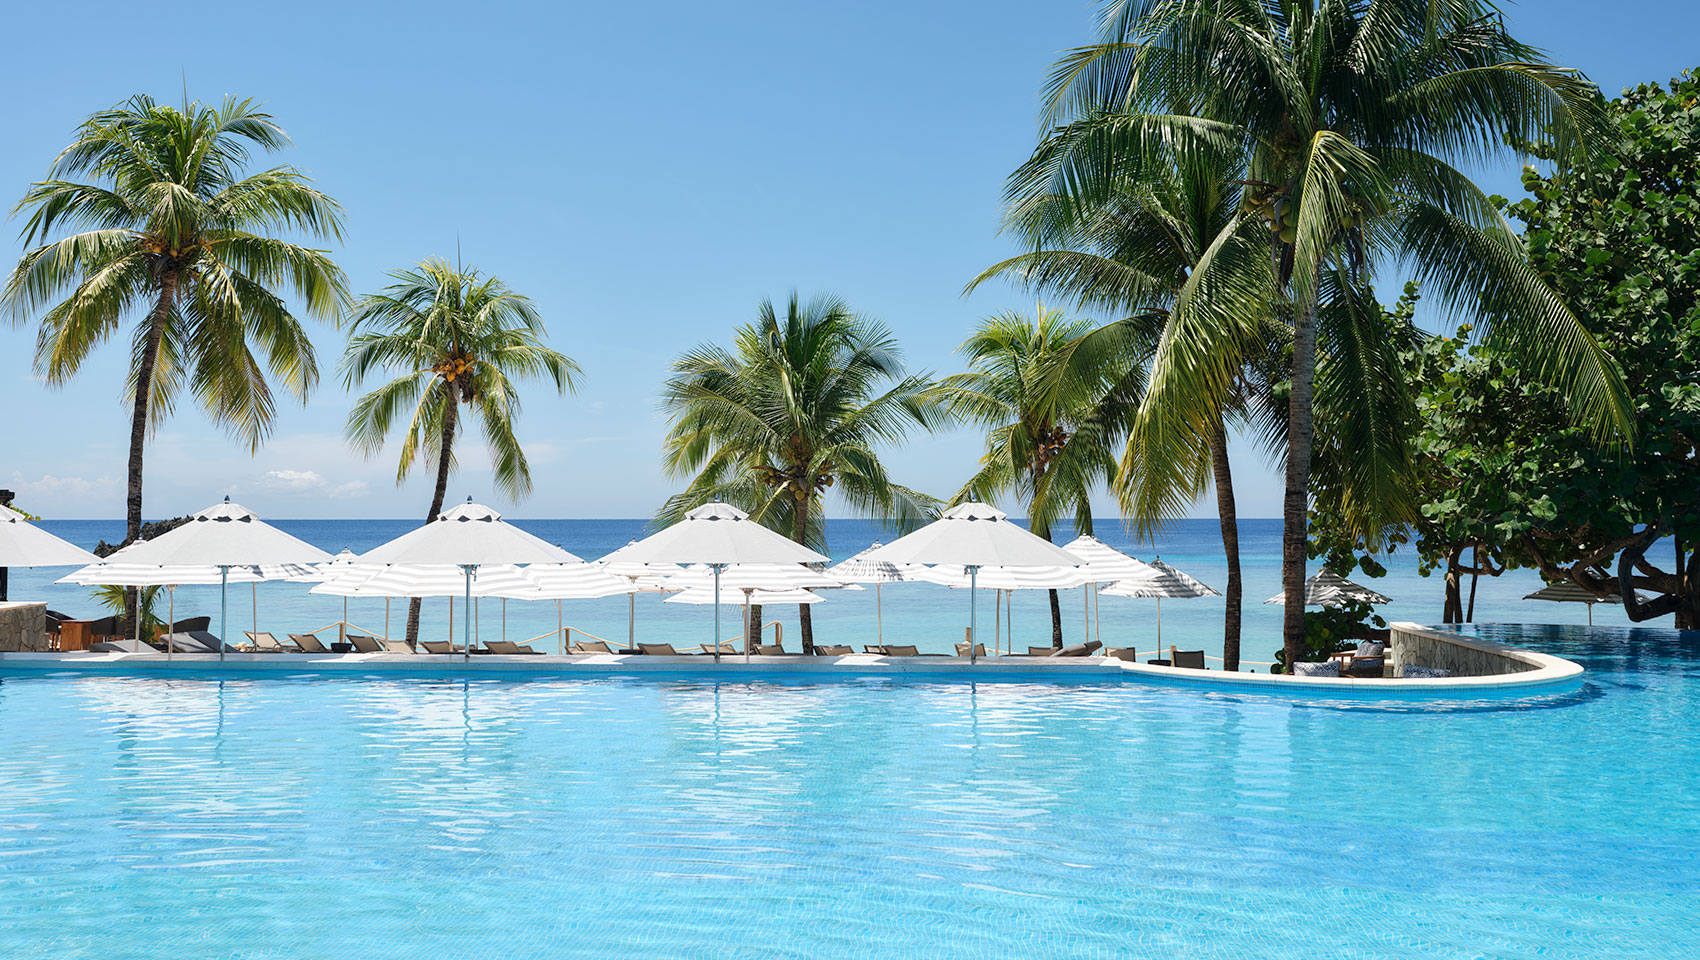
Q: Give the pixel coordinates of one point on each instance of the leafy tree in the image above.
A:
(1049, 439)
(798, 407)
(170, 231)
(454, 338)
(1620, 242)
(1356, 118)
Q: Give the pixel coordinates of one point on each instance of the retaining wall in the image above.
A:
(23, 627)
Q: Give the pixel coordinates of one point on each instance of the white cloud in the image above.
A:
(291, 481)
(303, 483)
(349, 490)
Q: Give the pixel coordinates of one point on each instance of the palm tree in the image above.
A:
(797, 407)
(1136, 252)
(453, 337)
(172, 232)
(1049, 439)
(1357, 119)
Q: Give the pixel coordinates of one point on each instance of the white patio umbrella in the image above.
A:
(1104, 564)
(577, 580)
(640, 578)
(226, 536)
(1004, 580)
(718, 535)
(1162, 582)
(1326, 588)
(467, 537)
(859, 569)
(705, 596)
(23, 544)
(754, 578)
(974, 535)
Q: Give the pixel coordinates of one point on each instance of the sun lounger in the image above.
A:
(1190, 659)
(833, 650)
(1122, 653)
(873, 648)
(1330, 668)
(901, 650)
(191, 624)
(591, 646)
(264, 642)
(770, 650)
(440, 646)
(962, 649)
(127, 645)
(725, 649)
(308, 643)
(1078, 650)
(365, 643)
(197, 641)
(1042, 651)
(660, 650)
(395, 646)
(508, 647)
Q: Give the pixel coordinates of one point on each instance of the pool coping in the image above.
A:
(1544, 669)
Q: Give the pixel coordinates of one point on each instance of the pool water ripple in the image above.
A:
(383, 818)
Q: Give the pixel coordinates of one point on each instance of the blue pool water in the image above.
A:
(154, 818)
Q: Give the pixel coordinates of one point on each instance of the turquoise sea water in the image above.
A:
(929, 616)
(221, 816)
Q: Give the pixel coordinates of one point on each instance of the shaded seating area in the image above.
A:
(1368, 660)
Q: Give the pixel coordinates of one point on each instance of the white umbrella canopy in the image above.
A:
(716, 534)
(974, 535)
(468, 537)
(430, 580)
(1326, 588)
(568, 581)
(719, 535)
(1161, 582)
(1565, 591)
(23, 544)
(7, 513)
(859, 569)
(224, 536)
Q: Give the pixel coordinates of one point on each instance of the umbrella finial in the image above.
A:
(227, 498)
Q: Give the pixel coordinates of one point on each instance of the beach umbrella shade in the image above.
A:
(705, 595)
(225, 536)
(23, 544)
(640, 578)
(1162, 582)
(1326, 588)
(973, 536)
(1004, 581)
(718, 535)
(577, 580)
(1565, 591)
(1104, 564)
(467, 537)
(859, 569)
(753, 578)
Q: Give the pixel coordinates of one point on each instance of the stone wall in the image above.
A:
(1463, 656)
(23, 627)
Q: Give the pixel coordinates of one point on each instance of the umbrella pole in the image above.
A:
(1097, 624)
(504, 619)
(747, 640)
(255, 597)
(631, 618)
(560, 630)
(466, 644)
(1085, 612)
(997, 620)
(170, 611)
(973, 610)
(344, 624)
(386, 618)
(879, 616)
(717, 569)
(1160, 628)
(223, 608)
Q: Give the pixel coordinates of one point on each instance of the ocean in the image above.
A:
(927, 615)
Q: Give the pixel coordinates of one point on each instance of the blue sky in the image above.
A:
(645, 172)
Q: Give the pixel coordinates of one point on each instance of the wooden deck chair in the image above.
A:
(308, 643)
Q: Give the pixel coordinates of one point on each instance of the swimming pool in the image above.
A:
(154, 817)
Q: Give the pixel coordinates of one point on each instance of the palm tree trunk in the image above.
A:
(139, 424)
(752, 630)
(1056, 605)
(1229, 515)
(800, 533)
(1295, 540)
(443, 451)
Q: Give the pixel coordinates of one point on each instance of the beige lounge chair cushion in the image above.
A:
(1078, 650)
(309, 643)
(658, 649)
(591, 646)
(833, 650)
(770, 650)
(962, 649)
(901, 650)
(1122, 653)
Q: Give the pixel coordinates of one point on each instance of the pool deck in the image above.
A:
(1541, 670)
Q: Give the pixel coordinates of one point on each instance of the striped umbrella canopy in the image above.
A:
(1105, 564)
(568, 581)
(1566, 591)
(429, 580)
(753, 576)
(1326, 588)
(705, 595)
(859, 569)
(1005, 578)
(1164, 582)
